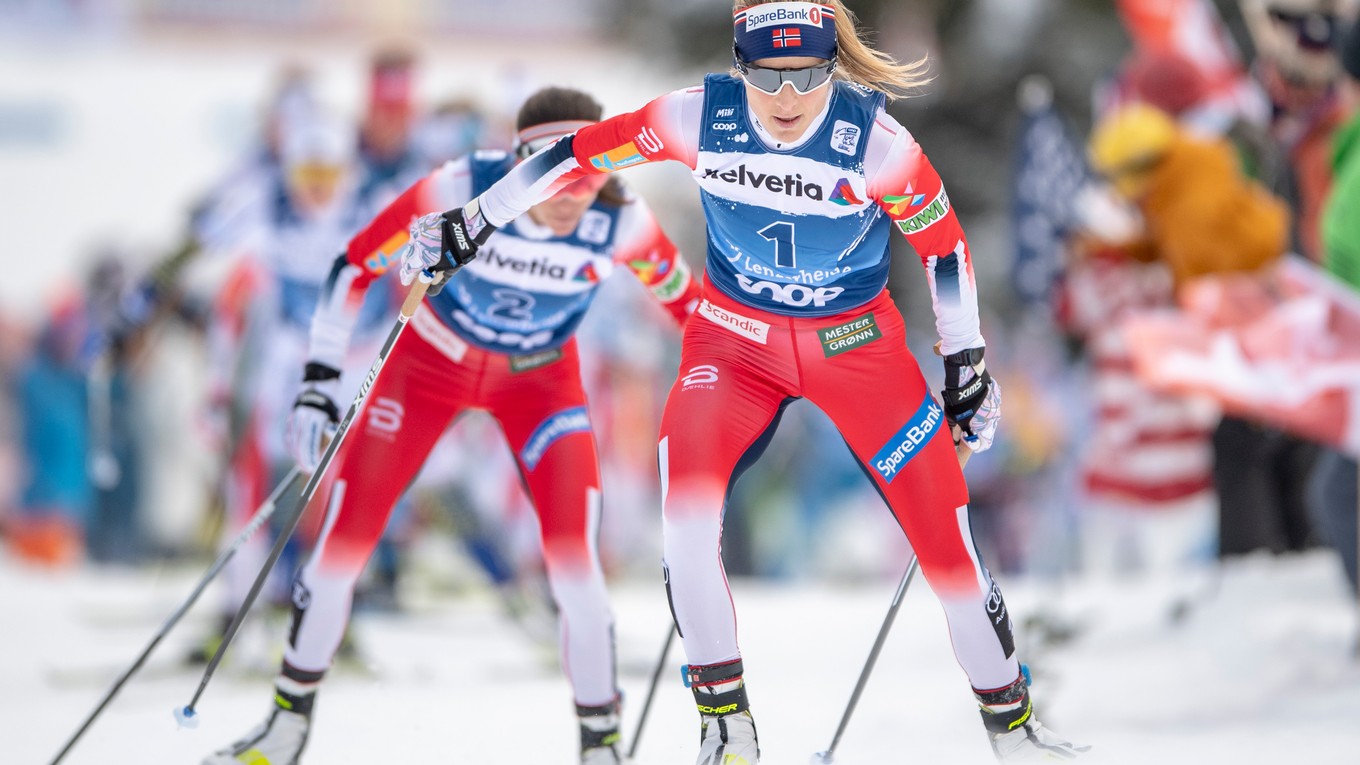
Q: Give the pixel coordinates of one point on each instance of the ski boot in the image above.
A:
(1016, 734)
(280, 739)
(601, 743)
(727, 733)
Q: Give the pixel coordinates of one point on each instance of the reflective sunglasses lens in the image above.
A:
(765, 80)
(803, 80)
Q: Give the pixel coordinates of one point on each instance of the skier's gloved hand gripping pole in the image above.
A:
(262, 516)
(438, 247)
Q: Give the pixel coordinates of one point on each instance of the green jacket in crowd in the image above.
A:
(1341, 218)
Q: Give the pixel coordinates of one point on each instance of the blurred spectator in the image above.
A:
(1203, 216)
(456, 127)
(57, 499)
(1296, 63)
(118, 315)
(387, 149)
(1334, 484)
(1340, 222)
(1174, 84)
(1147, 463)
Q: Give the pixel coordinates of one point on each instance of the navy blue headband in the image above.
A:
(773, 30)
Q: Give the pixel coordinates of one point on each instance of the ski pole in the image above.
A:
(829, 754)
(651, 689)
(186, 715)
(963, 452)
(262, 515)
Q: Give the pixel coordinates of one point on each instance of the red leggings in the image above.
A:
(430, 378)
(739, 367)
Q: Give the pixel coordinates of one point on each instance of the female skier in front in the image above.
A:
(802, 175)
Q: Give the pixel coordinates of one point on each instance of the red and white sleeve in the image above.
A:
(904, 183)
(665, 129)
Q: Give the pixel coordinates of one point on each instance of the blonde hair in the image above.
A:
(860, 63)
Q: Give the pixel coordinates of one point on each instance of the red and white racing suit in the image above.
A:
(441, 368)
(803, 313)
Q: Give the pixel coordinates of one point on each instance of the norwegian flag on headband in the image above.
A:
(771, 30)
(787, 38)
(1282, 348)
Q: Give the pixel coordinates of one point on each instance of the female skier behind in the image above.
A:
(498, 337)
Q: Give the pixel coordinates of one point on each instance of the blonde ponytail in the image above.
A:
(860, 63)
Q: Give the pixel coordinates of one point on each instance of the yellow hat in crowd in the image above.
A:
(1129, 143)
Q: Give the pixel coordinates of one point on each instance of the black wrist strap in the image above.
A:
(975, 386)
(969, 357)
(318, 372)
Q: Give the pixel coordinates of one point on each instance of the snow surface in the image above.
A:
(1259, 670)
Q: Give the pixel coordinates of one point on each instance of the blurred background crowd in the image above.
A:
(1164, 197)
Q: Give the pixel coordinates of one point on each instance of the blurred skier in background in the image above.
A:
(263, 316)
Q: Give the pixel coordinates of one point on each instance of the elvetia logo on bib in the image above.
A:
(844, 195)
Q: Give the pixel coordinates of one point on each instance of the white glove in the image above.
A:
(313, 421)
(424, 250)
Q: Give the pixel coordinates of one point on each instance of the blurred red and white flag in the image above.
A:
(1281, 347)
(1194, 30)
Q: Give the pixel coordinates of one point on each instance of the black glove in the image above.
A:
(458, 245)
(966, 384)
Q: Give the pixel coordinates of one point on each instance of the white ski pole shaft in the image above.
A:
(186, 714)
(262, 516)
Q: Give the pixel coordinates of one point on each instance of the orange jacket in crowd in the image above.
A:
(1205, 216)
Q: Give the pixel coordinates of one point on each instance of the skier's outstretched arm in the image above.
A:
(665, 129)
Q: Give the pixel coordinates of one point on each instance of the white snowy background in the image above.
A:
(1258, 670)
